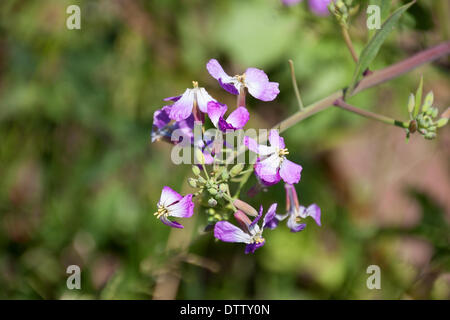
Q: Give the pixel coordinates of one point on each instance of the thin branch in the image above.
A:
(294, 84)
(349, 43)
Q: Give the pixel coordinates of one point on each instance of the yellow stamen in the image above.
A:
(195, 84)
(283, 152)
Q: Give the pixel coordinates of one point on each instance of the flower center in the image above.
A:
(195, 84)
(240, 78)
(162, 211)
(283, 152)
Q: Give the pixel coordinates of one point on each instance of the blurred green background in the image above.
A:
(80, 179)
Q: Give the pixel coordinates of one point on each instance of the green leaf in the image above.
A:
(418, 98)
(371, 50)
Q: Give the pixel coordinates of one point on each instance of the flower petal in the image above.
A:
(275, 140)
(182, 209)
(294, 225)
(270, 215)
(227, 232)
(174, 99)
(319, 7)
(216, 71)
(290, 172)
(169, 223)
(161, 117)
(182, 109)
(215, 111)
(312, 211)
(238, 118)
(251, 248)
(255, 221)
(169, 197)
(268, 175)
(203, 98)
(259, 86)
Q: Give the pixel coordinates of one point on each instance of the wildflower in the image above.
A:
(249, 233)
(163, 129)
(172, 204)
(236, 120)
(295, 212)
(255, 80)
(272, 164)
(190, 102)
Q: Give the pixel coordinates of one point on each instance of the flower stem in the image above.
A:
(349, 43)
(294, 84)
(370, 115)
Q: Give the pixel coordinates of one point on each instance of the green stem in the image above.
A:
(349, 43)
(294, 84)
(370, 115)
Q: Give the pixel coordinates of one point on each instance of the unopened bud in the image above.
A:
(196, 170)
(212, 191)
(411, 103)
(199, 157)
(212, 202)
(442, 122)
(242, 219)
(245, 207)
(192, 182)
(225, 175)
(428, 101)
(223, 187)
(430, 135)
(236, 169)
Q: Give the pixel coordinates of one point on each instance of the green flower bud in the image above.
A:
(212, 202)
(428, 101)
(201, 180)
(212, 191)
(236, 169)
(196, 170)
(223, 187)
(225, 175)
(434, 112)
(411, 103)
(192, 182)
(430, 135)
(442, 122)
(199, 157)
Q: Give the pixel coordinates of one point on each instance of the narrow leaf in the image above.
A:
(418, 98)
(371, 50)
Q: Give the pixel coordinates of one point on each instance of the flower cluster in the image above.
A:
(213, 180)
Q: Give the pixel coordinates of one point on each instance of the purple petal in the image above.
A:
(174, 99)
(215, 111)
(182, 109)
(275, 139)
(225, 231)
(251, 144)
(251, 247)
(255, 221)
(169, 223)
(267, 174)
(161, 117)
(169, 197)
(319, 7)
(290, 172)
(270, 215)
(203, 98)
(314, 212)
(216, 71)
(259, 86)
(294, 225)
(238, 118)
(182, 209)
(230, 87)
(272, 224)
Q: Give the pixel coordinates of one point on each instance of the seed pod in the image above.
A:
(428, 101)
(192, 182)
(411, 103)
(196, 170)
(236, 169)
(245, 207)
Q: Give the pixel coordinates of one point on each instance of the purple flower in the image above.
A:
(172, 204)
(249, 233)
(272, 165)
(163, 129)
(236, 120)
(255, 80)
(318, 7)
(184, 104)
(295, 212)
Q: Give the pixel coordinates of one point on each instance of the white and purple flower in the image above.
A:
(235, 121)
(272, 164)
(250, 232)
(172, 204)
(295, 212)
(163, 128)
(190, 102)
(255, 80)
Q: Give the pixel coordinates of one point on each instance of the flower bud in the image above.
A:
(199, 157)
(442, 122)
(411, 103)
(192, 182)
(245, 207)
(236, 169)
(242, 219)
(212, 191)
(196, 170)
(428, 101)
(223, 187)
(212, 202)
(225, 175)
(430, 135)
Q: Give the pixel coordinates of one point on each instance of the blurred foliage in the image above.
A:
(80, 179)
